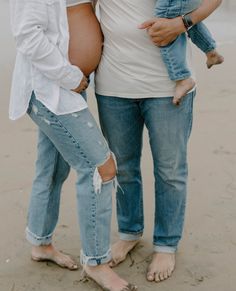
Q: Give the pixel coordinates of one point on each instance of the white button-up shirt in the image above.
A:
(40, 29)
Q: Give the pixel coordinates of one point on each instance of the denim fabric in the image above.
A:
(122, 121)
(71, 140)
(174, 54)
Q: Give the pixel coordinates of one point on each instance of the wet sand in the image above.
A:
(207, 254)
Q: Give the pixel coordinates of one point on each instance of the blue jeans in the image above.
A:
(71, 140)
(122, 121)
(174, 54)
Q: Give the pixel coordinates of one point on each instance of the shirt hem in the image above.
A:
(137, 96)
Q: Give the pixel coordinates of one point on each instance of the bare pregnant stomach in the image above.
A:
(85, 47)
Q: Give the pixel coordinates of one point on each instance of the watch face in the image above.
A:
(187, 21)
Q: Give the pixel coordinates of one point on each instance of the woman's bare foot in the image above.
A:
(120, 251)
(182, 88)
(161, 267)
(214, 58)
(104, 276)
(49, 253)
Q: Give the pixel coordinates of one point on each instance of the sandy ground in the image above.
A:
(207, 256)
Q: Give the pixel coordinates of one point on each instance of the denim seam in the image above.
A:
(86, 260)
(93, 210)
(69, 134)
(171, 67)
(134, 233)
(36, 237)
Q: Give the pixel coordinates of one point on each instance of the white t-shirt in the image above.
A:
(131, 65)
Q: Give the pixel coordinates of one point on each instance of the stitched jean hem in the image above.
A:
(165, 249)
(94, 261)
(37, 240)
(130, 236)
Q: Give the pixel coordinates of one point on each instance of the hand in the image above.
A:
(162, 30)
(83, 85)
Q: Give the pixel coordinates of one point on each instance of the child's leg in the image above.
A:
(174, 55)
(202, 38)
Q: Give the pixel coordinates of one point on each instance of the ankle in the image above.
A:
(43, 248)
(211, 53)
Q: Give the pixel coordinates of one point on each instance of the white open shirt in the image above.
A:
(40, 29)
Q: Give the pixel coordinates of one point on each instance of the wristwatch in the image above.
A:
(188, 23)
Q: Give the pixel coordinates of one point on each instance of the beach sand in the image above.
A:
(206, 259)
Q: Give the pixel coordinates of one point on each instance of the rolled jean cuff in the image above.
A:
(130, 236)
(95, 261)
(165, 249)
(37, 240)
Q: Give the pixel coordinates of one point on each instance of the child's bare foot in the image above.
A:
(49, 253)
(214, 58)
(182, 88)
(104, 276)
(161, 267)
(120, 251)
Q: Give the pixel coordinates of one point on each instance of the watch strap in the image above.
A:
(188, 23)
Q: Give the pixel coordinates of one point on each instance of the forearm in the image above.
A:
(204, 10)
(163, 31)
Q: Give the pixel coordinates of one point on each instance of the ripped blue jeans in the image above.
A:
(71, 140)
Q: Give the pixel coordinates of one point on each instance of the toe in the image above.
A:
(161, 276)
(112, 264)
(150, 276)
(165, 274)
(71, 265)
(169, 272)
(66, 262)
(131, 287)
(157, 278)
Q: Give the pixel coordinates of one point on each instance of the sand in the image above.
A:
(207, 254)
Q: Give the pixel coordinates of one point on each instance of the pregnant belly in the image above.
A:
(85, 47)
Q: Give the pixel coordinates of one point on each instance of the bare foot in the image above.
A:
(49, 253)
(214, 58)
(104, 276)
(161, 267)
(182, 88)
(120, 251)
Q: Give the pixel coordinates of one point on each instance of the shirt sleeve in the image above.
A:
(29, 23)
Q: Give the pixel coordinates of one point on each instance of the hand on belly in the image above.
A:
(85, 47)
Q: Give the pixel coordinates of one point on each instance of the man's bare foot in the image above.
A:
(104, 276)
(182, 88)
(214, 58)
(49, 253)
(161, 267)
(120, 251)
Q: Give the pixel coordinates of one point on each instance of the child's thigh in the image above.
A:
(174, 8)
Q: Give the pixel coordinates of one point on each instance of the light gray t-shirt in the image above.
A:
(131, 65)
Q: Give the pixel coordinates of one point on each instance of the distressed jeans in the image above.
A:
(174, 54)
(71, 140)
(122, 121)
